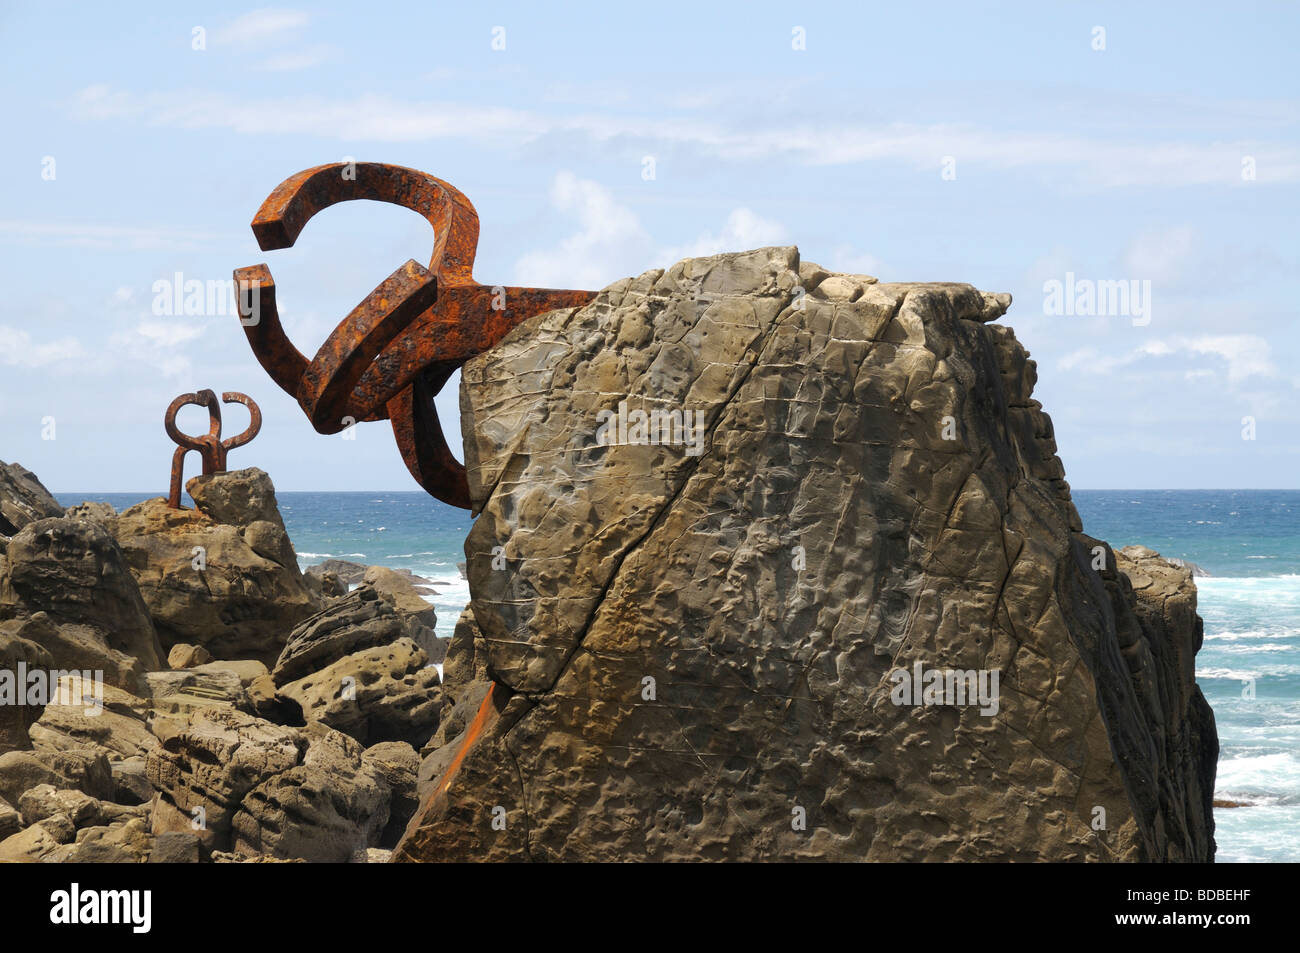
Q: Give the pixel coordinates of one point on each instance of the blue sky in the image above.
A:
(1116, 164)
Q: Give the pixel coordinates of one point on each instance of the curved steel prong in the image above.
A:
(254, 419)
(286, 210)
(395, 350)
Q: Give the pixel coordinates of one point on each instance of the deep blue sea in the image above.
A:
(1248, 540)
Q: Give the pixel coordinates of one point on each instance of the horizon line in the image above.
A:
(1084, 489)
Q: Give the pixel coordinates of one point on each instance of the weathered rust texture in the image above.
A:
(392, 354)
(211, 448)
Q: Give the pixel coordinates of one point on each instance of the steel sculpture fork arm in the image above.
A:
(396, 349)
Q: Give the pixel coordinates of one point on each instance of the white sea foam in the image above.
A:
(1251, 649)
(1263, 833)
(1272, 670)
(449, 601)
(1271, 778)
(1249, 635)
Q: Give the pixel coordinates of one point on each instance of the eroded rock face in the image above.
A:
(74, 571)
(359, 620)
(23, 499)
(262, 788)
(420, 616)
(692, 654)
(97, 717)
(324, 810)
(222, 576)
(84, 648)
(207, 764)
(383, 693)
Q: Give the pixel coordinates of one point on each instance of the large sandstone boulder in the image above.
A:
(23, 499)
(324, 809)
(39, 841)
(397, 764)
(74, 767)
(243, 783)
(222, 576)
(74, 572)
(383, 693)
(359, 620)
(209, 762)
(697, 646)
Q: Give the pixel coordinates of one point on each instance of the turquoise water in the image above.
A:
(1248, 540)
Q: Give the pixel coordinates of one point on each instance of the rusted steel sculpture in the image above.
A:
(393, 353)
(211, 448)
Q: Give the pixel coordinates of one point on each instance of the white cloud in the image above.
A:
(18, 350)
(158, 344)
(106, 236)
(742, 231)
(1085, 357)
(1247, 356)
(609, 237)
(261, 25)
(611, 242)
(812, 141)
(850, 262)
(168, 334)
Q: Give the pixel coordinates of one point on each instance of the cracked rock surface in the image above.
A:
(688, 655)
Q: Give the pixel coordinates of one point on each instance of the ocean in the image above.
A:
(1247, 540)
(1249, 543)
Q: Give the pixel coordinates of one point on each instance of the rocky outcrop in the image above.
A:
(324, 809)
(407, 598)
(384, 693)
(222, 576)
(1165, 730)
(208, 763)
(360, 620)
(697, 644)
(102, 513)
(254, 787)
(23, 499)
(73, 571)
(346, 572)
(86, 716)
(397, 764)
(199, 758)
(81, 768)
